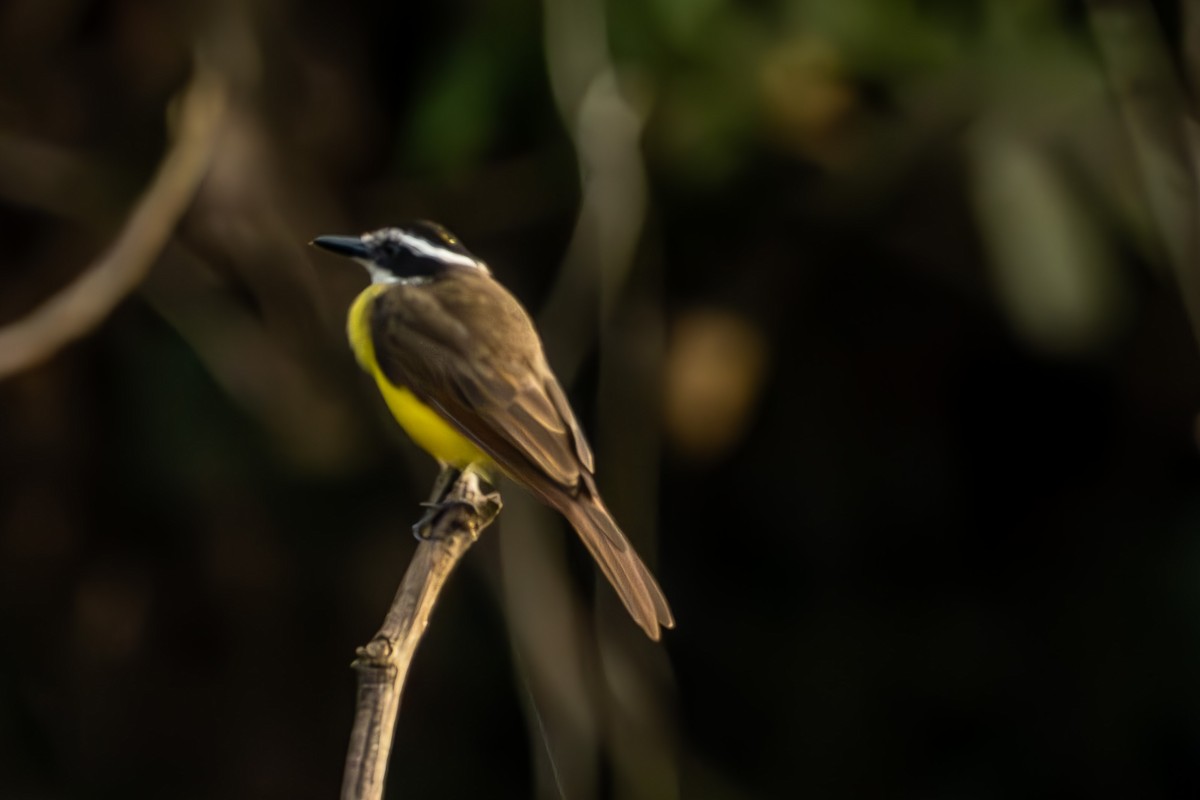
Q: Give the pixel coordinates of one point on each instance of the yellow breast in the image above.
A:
(426, 427)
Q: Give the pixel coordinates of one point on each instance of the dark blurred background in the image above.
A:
(876, 312)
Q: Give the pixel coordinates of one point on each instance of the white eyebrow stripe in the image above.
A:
(422, 247)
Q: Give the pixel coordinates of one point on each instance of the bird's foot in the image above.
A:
(457, 503)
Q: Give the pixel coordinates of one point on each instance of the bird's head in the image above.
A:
(411, 252)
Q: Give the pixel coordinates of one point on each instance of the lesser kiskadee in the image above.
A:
(461, 367)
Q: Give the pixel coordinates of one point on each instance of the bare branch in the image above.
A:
(83, 304)
(458, 511)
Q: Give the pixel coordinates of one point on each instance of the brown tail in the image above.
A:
(625, 571)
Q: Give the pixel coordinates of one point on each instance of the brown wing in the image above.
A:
(466, 348)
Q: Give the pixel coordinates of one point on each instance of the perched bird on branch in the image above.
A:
(461, 368)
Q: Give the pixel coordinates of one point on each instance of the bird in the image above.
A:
(462, 369)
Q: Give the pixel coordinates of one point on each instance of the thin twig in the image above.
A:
(458, 511)
(83, 304)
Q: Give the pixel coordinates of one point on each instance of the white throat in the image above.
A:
(377, 275)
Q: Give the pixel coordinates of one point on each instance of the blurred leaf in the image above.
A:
(882, 36)
(1054, 274)
(455, 120)
(807, 101)
(470, 100)
(684, 20)
(706, 116)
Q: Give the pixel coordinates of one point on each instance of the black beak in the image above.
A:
(350, 246)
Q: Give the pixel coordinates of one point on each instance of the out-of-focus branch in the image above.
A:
(1157, 115)
(569, 711)
(606, 130)
(83, 304)
(459, 511)
(1191, 49)
(55, 180)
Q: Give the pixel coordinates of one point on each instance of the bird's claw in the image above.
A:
(430, 526)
